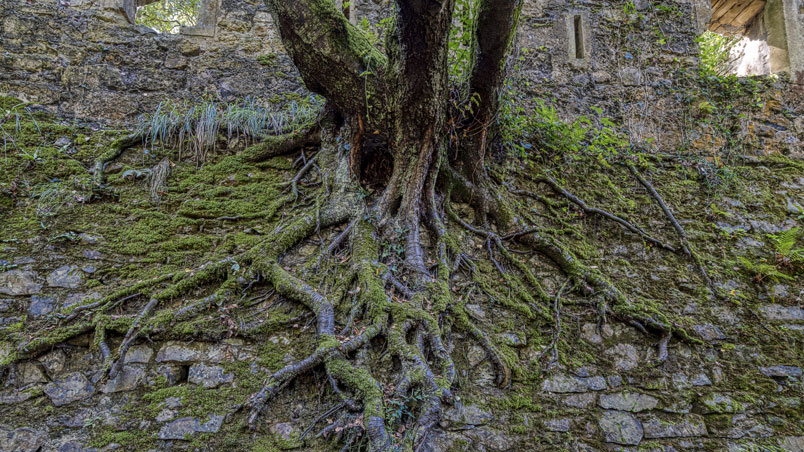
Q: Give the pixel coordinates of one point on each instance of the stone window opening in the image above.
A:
(578, 36)
(578, 33)
(755, 36)
(167, 16)
(187, 17)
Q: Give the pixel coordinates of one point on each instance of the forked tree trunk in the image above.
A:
(401, 98)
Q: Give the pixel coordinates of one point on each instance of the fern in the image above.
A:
(787, 245)
(761, 271)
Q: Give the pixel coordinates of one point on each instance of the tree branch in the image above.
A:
(330, 53)
(495, 30)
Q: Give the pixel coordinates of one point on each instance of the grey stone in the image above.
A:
(23, 439)
(76, 298)
(620, 428)
(128, 379)
(782, 313)
(781, 371)
(67, 276)
(29, 373)
(625, 356)
(180, 352)
(594, 383)
(687, 426)
(165, 415)
(720, 403)
(53, 362)
(627, 401)
(582, 400)
(140, 354)
(631, 76)
(793, 443)
(208, 376)
(41, 305)
(563, 383)
(89, 239)
(9, 320)
(461, 414)
(709, 332)
(19, 282)
(590, 334)
(93, 254)
(173, 402)
(557, 425)
(184, 428)
(69, 389)
(286, 431)
(62, 141)
(681, 381)
(700, 380)
(484, 438)
(14, 396)
(615, 381)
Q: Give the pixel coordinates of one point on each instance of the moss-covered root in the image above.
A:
(115, 149)
(682, 234)
(273, 146)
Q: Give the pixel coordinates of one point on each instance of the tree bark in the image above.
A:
(495, 31)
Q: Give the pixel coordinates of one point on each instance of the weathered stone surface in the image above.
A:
(41, 305)
(594, 383)
(783, 313)
(793, 443)
(700, 380)
(69, 389)
(140, 354)
(627, 401)
(29, 373)
(19, 282)
(563, 383)
(184, 428)
(462, 415)
(208, 376)
(620, 428)
(14, 396)
(67, 276)
(557, 425)
(720, 403)
(180, 352)
(709, 332)
(288, 432)
(128, 379)
(53, 362)
(582, 400)
(678, 427)
(23, 439)
(625, 356)
(781, 371)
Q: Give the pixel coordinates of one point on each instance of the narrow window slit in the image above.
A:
(579, 50)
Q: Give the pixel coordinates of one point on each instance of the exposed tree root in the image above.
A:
(272, 146)
(410, 309)
(594, 211)
(115, 149)
(682, 234)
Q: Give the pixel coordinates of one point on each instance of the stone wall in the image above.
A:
(87, 60)
(91, 63)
